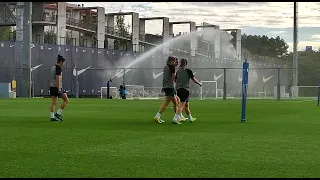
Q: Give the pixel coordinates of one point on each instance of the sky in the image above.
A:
(255, 18)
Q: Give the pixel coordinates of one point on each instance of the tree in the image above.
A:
(262, 45)
(7, 33)
(122, 31)
(281, 46)
(308, 68)
(69, 39)
(50, 37)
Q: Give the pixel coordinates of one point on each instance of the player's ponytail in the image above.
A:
(60, 58)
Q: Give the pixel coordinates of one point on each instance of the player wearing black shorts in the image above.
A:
(56, 90)
(183, 77)
(168, 87)
(176, 100)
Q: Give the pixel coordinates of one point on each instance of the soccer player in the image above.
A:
(56, 90)
(123, 92)
(188, 112)
(183, 77)
(168, 87)
(176, 102)
(186, 109)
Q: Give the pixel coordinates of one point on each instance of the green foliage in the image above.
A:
(123, 31)
(7, 33)
(69, 39)
(308, 61)
(262, 45)
(122, 28)
(309, 68)
(50, 37)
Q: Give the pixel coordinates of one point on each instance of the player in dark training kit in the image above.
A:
(183, 77)
(176, 101)
(56, 90)
(168, 87)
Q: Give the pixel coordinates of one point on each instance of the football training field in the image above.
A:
(118, 138)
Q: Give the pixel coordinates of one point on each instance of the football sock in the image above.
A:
(59, 111)
(158, 115)
(176, 117)
(51, 114)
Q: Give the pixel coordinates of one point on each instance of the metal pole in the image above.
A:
(224, 84)
(318, 102)
(278, 86)
(77, 83)
(295, 43)
(32, 86)
(108, 89)
(29, 40)
(74, 90)
(124, 77)
(18, 49)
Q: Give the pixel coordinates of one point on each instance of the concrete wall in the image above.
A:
(194, 39)
(208, 32)
(142, 32)
(135, 32)
(165, 34)
(110, 26)
(171, 35)
(217, 42)
(61, 23)
(38, 11)
(101, 27)
(238, 44)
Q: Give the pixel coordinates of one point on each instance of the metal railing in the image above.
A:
(49, 18)
(90, 25)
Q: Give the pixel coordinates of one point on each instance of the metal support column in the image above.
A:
(295, 44)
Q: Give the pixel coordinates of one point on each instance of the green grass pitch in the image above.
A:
(118, 138)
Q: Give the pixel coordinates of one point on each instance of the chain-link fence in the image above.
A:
(217, 83)
(87, 71)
